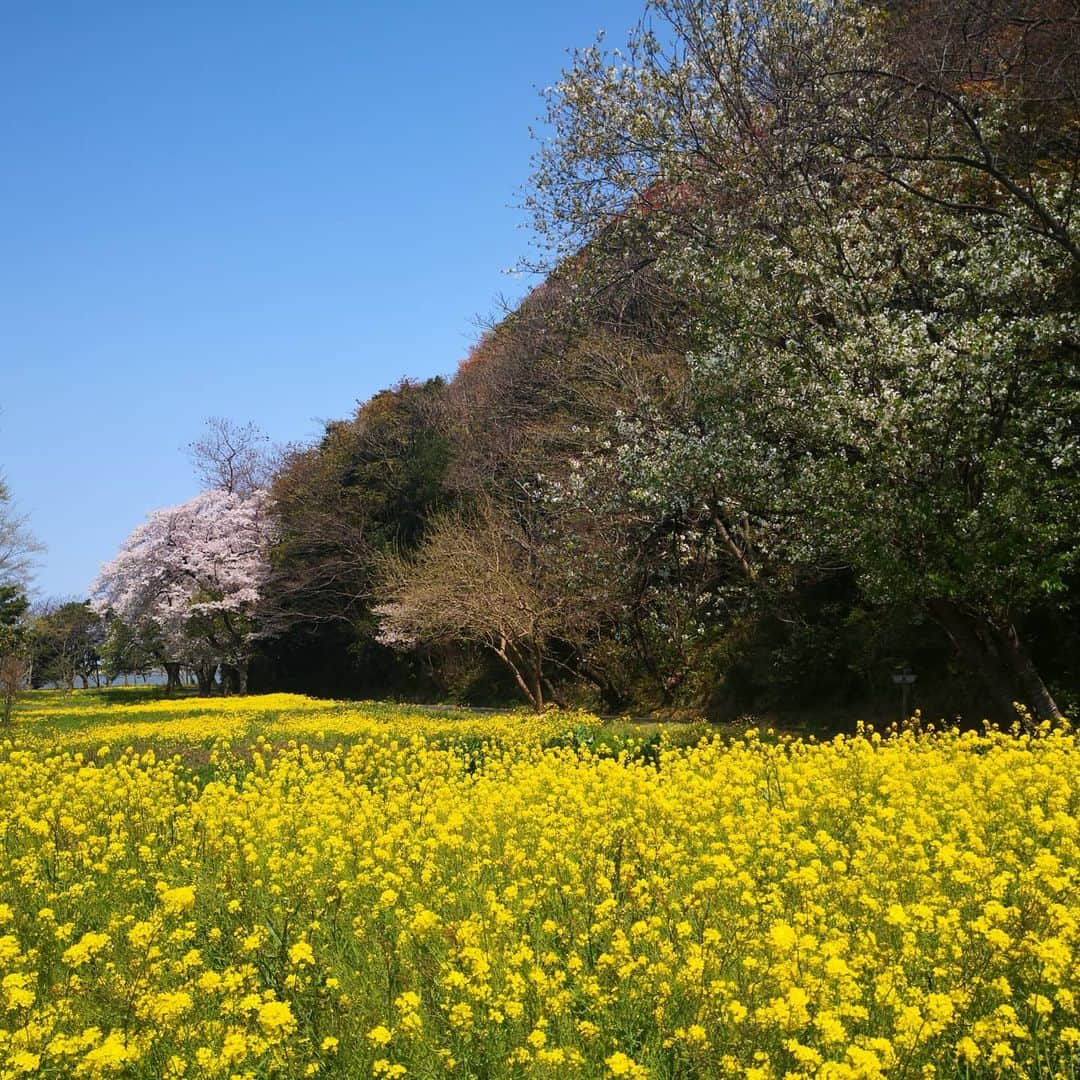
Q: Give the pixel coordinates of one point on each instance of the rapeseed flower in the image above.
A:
(280, 886)
(276, 1018)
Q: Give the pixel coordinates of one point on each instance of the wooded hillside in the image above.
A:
(795, 409)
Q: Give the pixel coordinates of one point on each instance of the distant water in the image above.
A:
(153, 678)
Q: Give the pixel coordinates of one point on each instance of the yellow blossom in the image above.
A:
(380, 1035)
(276, 1018)
(179, 899)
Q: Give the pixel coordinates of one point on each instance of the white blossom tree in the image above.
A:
(873, 207)
(189, 580)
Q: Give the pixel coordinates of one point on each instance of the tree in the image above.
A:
(125, 651)
(14, 676)
(885, 275)
(758, 104)
(365, 487)
(231, 457)
(17, 544)
(189, 581)
(978, 97)
(16, 549)
(535, 396)
(924, 427)
(14, 605)
(481, 577)
(648, 543)
(14, 664)
(65, 642)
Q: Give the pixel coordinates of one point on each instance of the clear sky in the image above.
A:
(260, 211)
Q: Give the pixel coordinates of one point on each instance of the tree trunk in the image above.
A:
(552, 694)
(172, 677)
(613, 697)
(537, 677)
(204, 676)
(994, 653)
(1035, 693)
(234, 678)
(502, 651)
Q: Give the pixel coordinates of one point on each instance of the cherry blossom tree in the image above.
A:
(189, 580)
(232, 457)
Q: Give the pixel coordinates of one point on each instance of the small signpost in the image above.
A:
(905, 680)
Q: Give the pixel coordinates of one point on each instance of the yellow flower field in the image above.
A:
(359, 891)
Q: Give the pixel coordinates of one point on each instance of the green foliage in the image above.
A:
(797, 404)
(885, 381)
(13, 608)
(64, 643)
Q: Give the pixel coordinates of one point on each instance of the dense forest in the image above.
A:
(795, 409)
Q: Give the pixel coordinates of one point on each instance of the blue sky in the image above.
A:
(260, 211)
